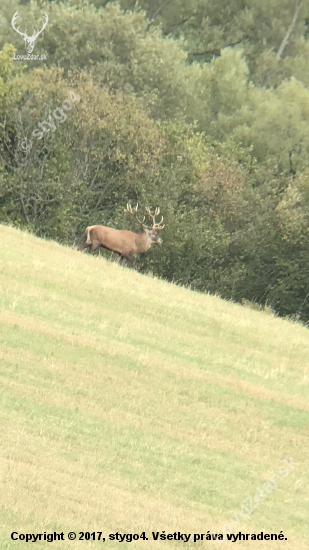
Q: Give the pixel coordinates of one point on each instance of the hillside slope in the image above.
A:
(129, 404)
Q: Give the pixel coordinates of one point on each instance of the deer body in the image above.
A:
(126, 244)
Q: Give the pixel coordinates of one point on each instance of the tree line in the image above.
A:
(199, 108)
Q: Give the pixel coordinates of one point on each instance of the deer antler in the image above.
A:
(156, 226)
(36, 33)
(14, 18)
(24, 34)
(134, 211)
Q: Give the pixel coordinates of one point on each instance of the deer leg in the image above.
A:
(130, 258)
(126, 258)
(83, 246)
(94, 246)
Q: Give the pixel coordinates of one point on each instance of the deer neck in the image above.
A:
(143, 242)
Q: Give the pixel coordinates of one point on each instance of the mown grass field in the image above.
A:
(130, 405)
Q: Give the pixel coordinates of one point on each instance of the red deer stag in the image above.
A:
(125, 243)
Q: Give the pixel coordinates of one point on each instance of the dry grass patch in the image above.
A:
(113, 418)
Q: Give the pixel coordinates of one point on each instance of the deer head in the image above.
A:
(29, 40)
(150, 230)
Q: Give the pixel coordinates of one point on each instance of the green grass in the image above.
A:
(129, 404)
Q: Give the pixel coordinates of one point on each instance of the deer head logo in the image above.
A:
(29, 40)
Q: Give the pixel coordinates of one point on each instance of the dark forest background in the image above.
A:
(199, 107)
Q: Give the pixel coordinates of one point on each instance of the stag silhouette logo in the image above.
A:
(29, 40)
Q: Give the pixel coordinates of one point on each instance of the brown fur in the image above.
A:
(124, 243)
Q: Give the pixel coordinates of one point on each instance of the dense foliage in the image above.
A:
(199, 107)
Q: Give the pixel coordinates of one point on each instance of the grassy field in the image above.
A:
(130, 405)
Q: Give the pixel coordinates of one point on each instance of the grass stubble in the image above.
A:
(129, 404)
